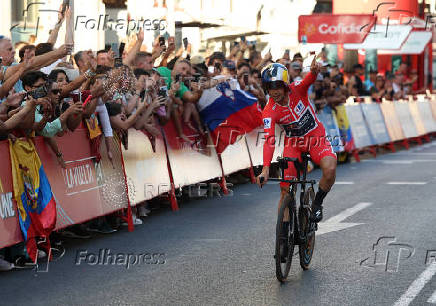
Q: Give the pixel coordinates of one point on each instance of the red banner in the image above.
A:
(334, 29)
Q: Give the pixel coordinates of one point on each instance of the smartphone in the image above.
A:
(217, 66)
(161, 41)
(287, 52)
(243, 38)
(185, 42)
(246, 78)
(65, 4)
(121, 49)
(177, 78)
(118, 62)
(114, 47)
(163, 92)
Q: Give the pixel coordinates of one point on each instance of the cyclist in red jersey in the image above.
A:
(289, 107)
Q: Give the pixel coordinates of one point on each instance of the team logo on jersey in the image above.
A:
(299, 108)
(266, 123)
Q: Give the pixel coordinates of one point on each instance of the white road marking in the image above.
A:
(406, 183)
(245, 194)
(335, 223)
(344, 183)
(417, 153)
(417, 285)
(348, 212)
(395, 162)
(404, 162)
(432, 299)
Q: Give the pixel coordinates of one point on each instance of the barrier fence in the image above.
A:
(89, 188)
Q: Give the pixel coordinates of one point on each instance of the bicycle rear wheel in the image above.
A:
(285, 238)
(307, 229)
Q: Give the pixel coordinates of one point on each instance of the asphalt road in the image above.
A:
(219, 251)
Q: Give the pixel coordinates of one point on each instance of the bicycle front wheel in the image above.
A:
(307, 229)
(285, 232)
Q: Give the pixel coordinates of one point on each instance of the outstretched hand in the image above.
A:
(315, 67)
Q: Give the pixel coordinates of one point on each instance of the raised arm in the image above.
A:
(119, 124)
(42, 60)
(130, 57)
(55, 31)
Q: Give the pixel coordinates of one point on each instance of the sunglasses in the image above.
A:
(56, 91)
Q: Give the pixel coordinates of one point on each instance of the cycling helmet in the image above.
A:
(274, 74)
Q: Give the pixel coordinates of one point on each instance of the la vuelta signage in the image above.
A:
(334, 29)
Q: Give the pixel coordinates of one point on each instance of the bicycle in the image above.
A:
(300, 230)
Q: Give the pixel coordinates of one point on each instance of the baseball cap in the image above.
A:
(197, 59)
(229, 64)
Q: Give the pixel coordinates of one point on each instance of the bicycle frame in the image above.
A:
(301, 168)
(301, 179)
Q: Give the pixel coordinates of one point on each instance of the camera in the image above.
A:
(197, 77)
(39, 92)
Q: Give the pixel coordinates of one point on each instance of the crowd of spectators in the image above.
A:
(43, 90)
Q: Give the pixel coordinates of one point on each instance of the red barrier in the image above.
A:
(147, 171)
(190, 163)
(83, 191)
(10, 232)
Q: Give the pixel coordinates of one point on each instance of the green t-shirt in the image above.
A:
(166, 74)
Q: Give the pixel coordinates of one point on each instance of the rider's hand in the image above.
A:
(264, 175)
(315, 67)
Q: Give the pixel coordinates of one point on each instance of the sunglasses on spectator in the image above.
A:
(56, 91)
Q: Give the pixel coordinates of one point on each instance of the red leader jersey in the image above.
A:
(298, 119)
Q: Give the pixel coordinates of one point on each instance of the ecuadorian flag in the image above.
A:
(35, 202)
(228, 112)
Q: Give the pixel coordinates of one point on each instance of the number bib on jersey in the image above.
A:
(304, 125)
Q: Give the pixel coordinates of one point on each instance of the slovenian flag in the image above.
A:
(32, 192)
(228, 112)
